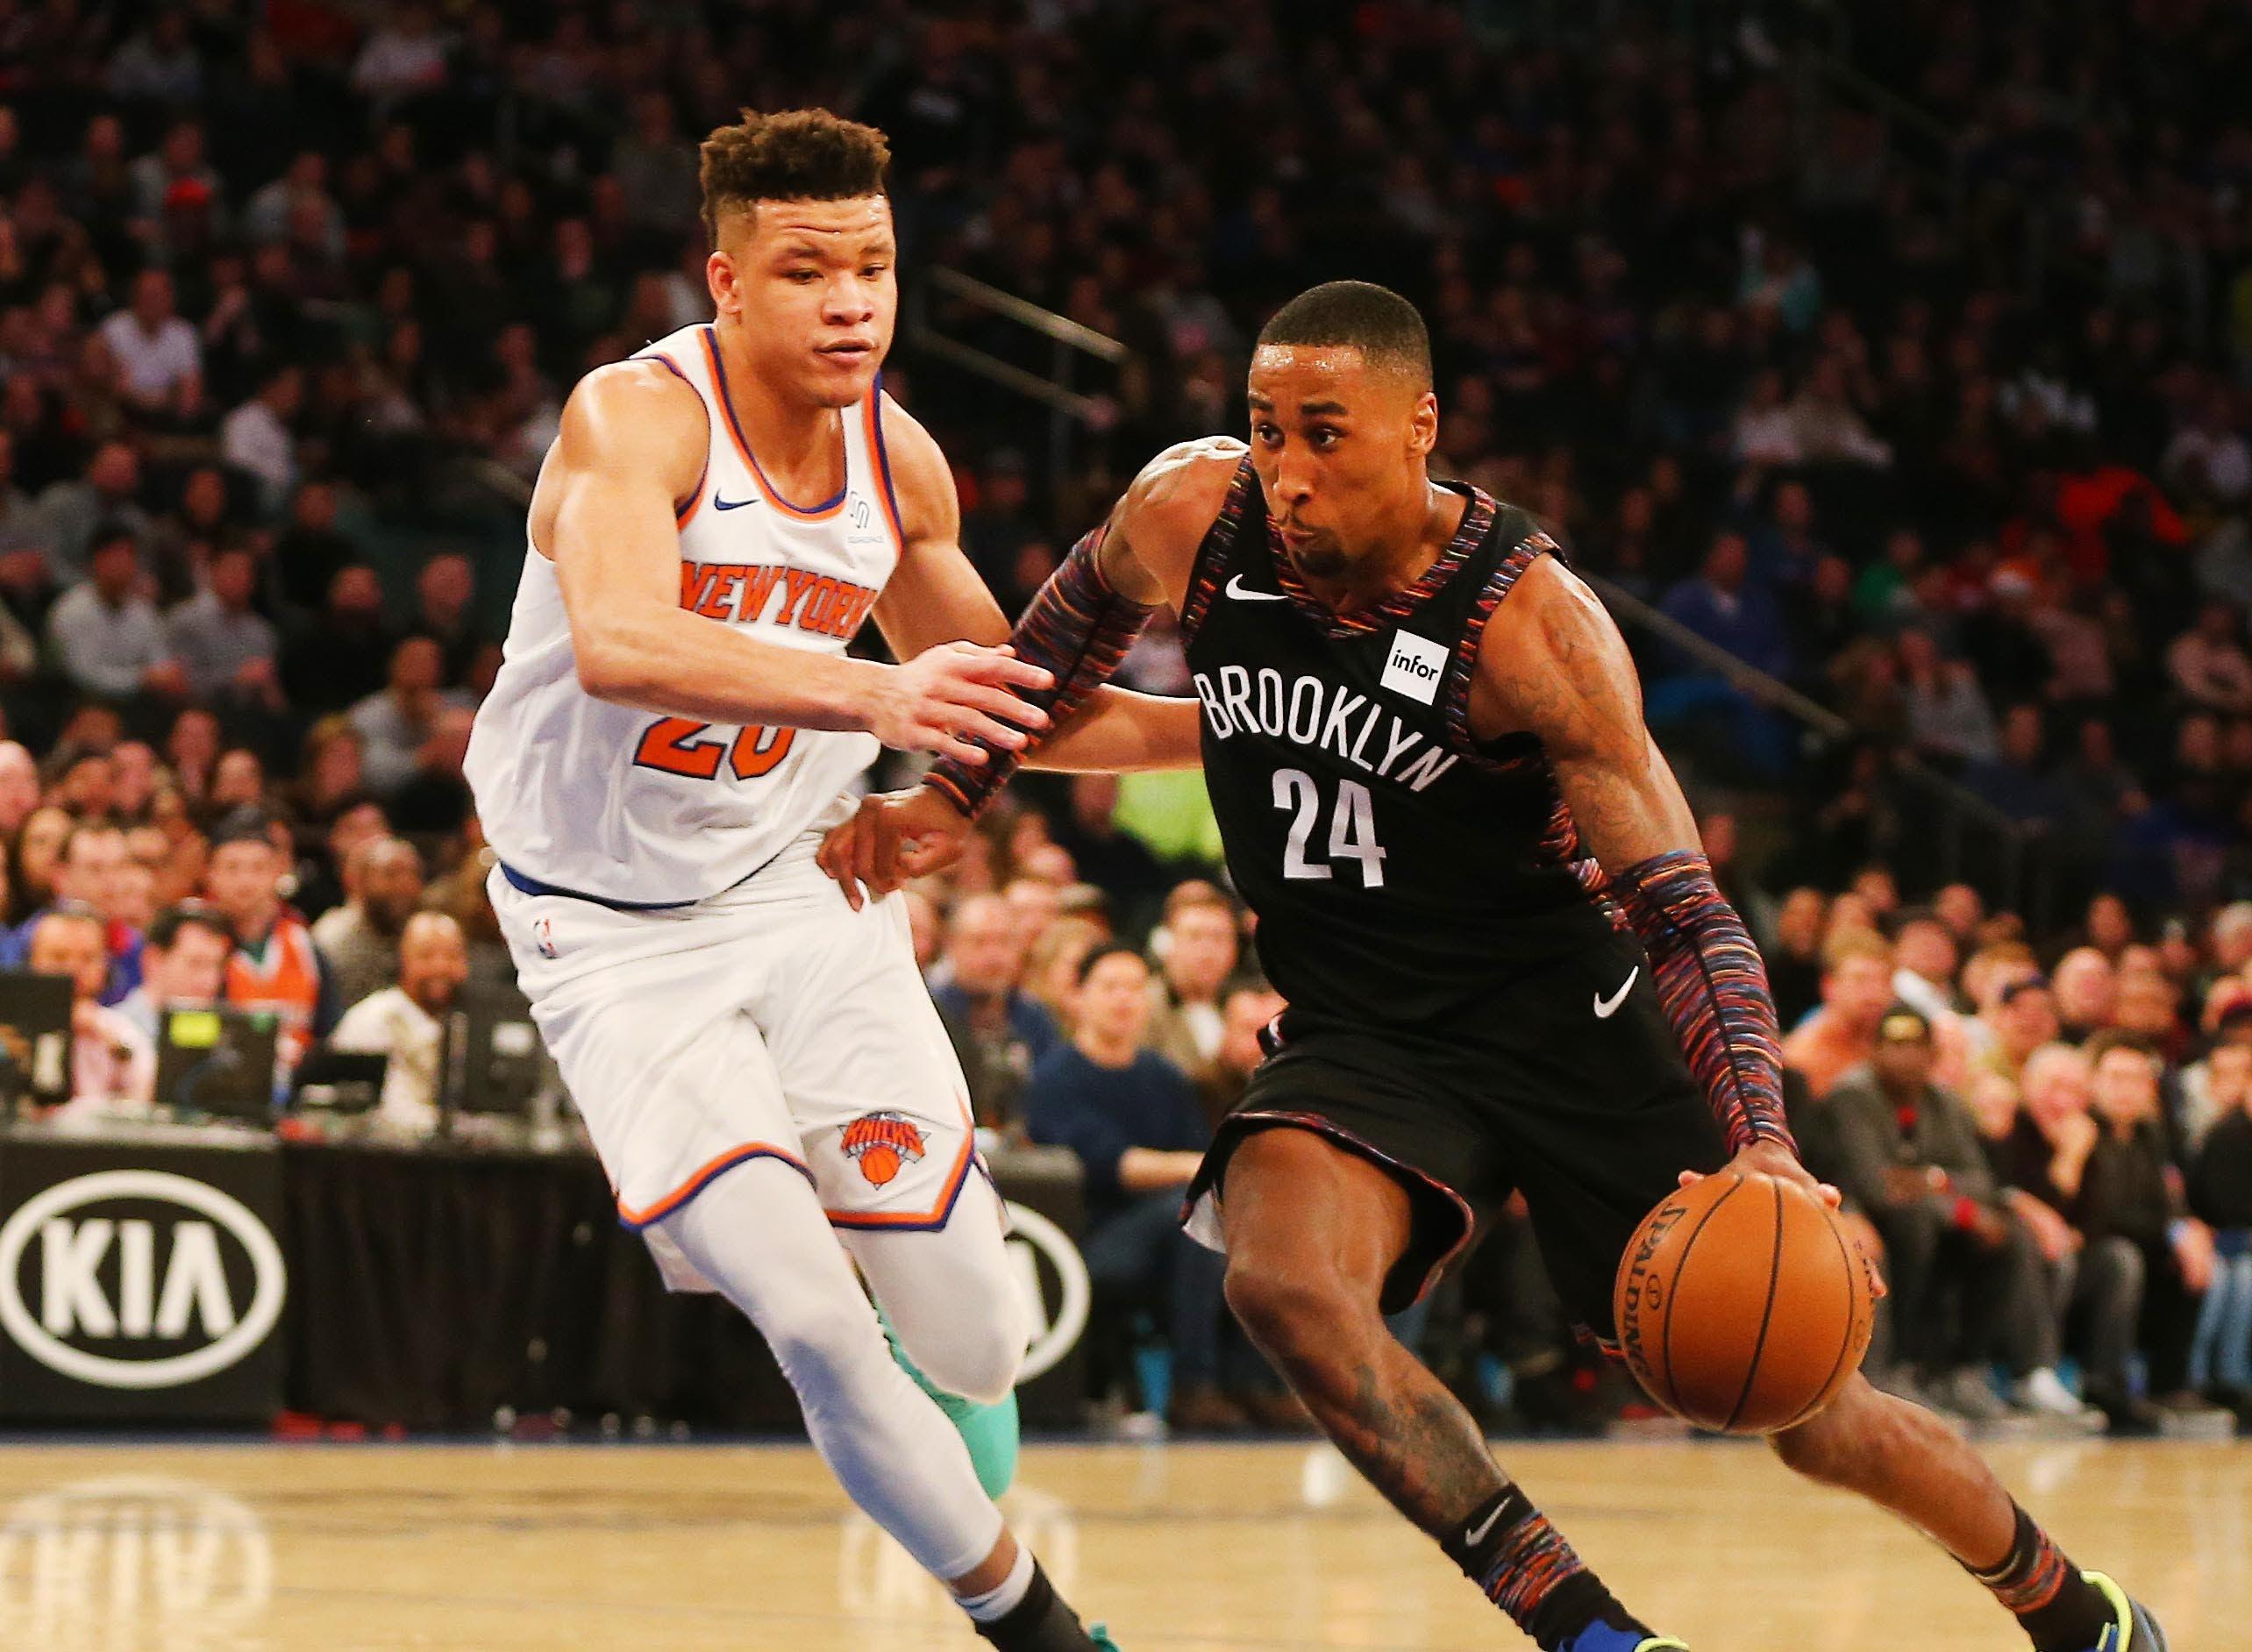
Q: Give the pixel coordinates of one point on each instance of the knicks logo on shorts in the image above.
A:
(882, 1142)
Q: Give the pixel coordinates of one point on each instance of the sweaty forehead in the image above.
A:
(1296, 380)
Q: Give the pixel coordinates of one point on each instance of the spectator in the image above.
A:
(225, 649)
(1248, 1010)
(1923, 963)
(1000, 1034)
(1794, 954)
(2013, 780)
(1723, 605)
(1135, 1122)
(104, 498)
(1947, 711)
(1199, 953)
(1051, 964)
(159, 363)
(112, 1063)
(2221, 1195)
(256, 437)
(2087, 994)
(2214, 1087)
(105, 633)
(19, 786)
(1104, 855)
(359, 941)
(2096, 1279)
(2021, 1020)
(2126, 1192)
(1909, 1157)
(445, 595)
(393, 724)
(405, 1022)
(183, 966)
(1841, 1034)
(86, 877)
(2208, 664)
(38, 849)
(274, 966)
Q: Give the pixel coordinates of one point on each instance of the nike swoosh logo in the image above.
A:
(1476, 1535)
(717, 504)
(1242, 593)
(1607, 1008)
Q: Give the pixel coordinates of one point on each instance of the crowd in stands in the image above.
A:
(1955, 445)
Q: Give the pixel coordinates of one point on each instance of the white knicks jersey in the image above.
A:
(640, 809)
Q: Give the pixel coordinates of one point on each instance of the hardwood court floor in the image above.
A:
(1187, 1549)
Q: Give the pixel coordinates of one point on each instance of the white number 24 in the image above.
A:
(1352, 826)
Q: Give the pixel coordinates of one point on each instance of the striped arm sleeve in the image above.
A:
(1078, 628)
(1714, 989)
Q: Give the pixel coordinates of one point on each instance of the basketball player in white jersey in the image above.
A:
(675, 726)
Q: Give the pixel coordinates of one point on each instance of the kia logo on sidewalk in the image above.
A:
(137, 1279)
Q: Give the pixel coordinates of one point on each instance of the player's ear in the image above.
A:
(724, 279)
(1424, 423)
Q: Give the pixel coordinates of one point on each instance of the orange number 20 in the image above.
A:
(677, 747)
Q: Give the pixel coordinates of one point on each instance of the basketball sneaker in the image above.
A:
(991, 1432)
(1604, 1637)
(2133, 1629)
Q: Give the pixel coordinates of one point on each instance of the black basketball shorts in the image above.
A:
(1570, 1091)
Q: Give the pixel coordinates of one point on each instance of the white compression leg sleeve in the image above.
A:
(758, 1234)
(951, 1299)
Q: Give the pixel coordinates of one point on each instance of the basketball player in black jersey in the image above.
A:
(1508, 966)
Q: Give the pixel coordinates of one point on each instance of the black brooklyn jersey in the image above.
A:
(1404, 876)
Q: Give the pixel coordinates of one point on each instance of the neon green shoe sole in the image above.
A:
(2133, 1629)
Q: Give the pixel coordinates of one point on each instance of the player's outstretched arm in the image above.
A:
(632, 442)
(935, 597)
(1553, 663)
(1080, 626)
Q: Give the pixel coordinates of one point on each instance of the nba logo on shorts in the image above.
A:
(546, 929)
(881, 1142)
(1414, 665)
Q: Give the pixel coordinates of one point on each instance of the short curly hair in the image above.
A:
(793, 154)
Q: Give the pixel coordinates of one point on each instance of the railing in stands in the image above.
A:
(1972, 838)
(1068, 410)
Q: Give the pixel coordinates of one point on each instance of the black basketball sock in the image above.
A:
(2059, 1610)
(1040, 1622)
(1508, 1548)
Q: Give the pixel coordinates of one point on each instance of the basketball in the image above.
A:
(1743, 1304)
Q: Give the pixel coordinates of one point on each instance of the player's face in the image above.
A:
(1339, 445)
(815, 285)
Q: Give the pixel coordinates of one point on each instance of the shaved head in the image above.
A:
(1384, 328)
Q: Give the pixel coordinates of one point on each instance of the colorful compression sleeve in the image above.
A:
(1713, 987)
(1078, 628)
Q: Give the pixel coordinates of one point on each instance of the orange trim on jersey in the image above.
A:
(703, 1177)
(874, 420)
(683, 515)
(817, 513)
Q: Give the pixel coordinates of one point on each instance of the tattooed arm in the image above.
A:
(1553, 664)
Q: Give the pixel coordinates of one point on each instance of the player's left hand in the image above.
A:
(893, 837)
(1769, 1157)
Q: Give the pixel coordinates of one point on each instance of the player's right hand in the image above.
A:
(893, 837)
(945, 695)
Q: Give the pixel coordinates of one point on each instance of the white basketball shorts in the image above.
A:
(771, 1020)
